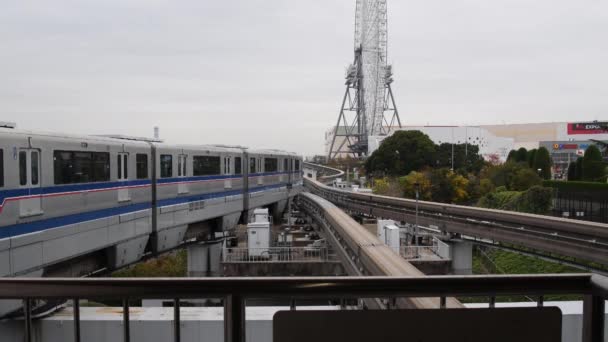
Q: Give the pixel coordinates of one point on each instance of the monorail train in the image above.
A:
(63, 196)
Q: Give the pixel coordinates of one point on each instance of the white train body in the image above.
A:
(65, 196)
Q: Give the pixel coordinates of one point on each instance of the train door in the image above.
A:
(182, 185)
(29, 178)
(227, 172)
(122, 164)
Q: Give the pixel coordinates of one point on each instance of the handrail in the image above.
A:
(288, 287)
(235, 291)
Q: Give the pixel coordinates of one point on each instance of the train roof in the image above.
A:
(55, 135)
(142, 141)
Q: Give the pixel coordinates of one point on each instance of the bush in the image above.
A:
(577, 186)
(536, 200)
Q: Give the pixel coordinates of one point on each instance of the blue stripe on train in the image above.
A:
(105, 185)
(56, 222)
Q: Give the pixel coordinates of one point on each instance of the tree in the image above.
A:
(494, 159)
(593, 166)
(521, 156)
(524, 179)
(579, 168)
(502, 175)
(537, 200)
(511, 156)
(572, 176)
(531, 157)
(542, 162)
(402, 153)
(387, 187)
(466, 157)
(408, 185)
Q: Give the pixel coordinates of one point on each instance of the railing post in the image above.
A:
(27, 317)
(234, 318)
(76, 308)
(176, 321)
(125, 320)
(593, 318)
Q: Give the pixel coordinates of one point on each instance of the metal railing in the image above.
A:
(439, 250)
(276, 254)
(235, 291)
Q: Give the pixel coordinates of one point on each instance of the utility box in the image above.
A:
(381, 225)
(391, 237)
(258, 234)
(388, 233)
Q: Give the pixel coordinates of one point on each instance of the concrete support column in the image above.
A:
(204, 259)
(461, 253)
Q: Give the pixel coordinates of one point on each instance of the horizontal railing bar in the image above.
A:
(296, 287)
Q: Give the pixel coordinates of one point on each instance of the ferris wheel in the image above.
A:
(368, 108)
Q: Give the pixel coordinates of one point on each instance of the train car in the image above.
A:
(118, 198)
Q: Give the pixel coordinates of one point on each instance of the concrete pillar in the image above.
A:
(204, 259)
(461, 253)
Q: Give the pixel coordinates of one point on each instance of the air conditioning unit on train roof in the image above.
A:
(5, 124)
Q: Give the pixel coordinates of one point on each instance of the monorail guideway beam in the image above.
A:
(546, 239)
(368, 257)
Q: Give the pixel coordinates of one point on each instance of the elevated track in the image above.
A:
(363, 254)
(580, 240)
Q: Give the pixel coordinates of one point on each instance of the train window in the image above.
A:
(34, 168)
(166, 165)
(206, 165)
(81, 167)
(271, 165)
(252, 165)
(238, 168)
(141, 166)
(125, 159)
(285, 166)
(297, 165)
(22, 168)
(1, 167)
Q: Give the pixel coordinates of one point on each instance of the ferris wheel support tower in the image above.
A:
(368, 107)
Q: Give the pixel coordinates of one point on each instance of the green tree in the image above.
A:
(402, 153)
(579, 169)
(486, 186)
(408, 185)
(524, 179)
(593, 166)
(531, 157)
(542, 162)
(466, 157)
(511, 156)
(521, 156)
(537, 200)
(572, 176)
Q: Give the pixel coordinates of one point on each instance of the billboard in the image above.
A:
(588, 128)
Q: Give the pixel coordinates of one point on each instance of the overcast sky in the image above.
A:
(269, 73)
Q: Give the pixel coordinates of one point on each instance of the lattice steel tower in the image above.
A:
(368, 108)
